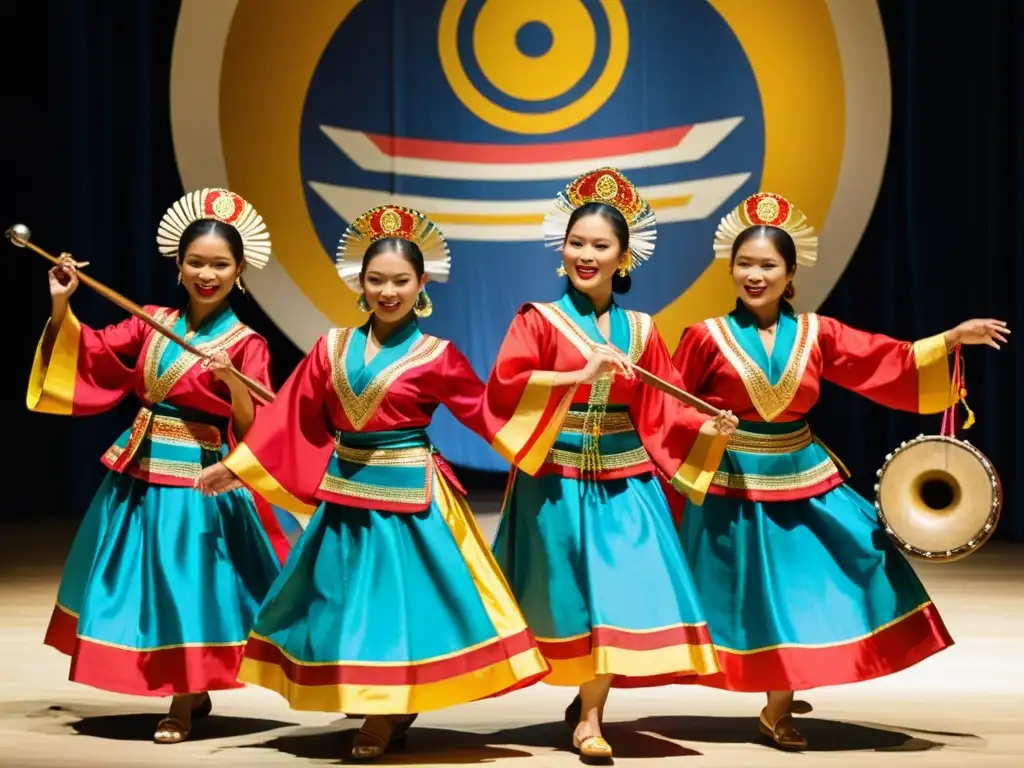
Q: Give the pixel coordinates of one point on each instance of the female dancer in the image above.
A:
(161, 585)
(391, 603)
(801, 586)
(586, 539)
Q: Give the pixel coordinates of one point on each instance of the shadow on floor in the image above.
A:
(140, 727)
(450, 747)
(821, 735)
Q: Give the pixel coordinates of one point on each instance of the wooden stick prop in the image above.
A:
(20, 236)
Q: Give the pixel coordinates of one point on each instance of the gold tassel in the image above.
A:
(969, 421)
(592, 423)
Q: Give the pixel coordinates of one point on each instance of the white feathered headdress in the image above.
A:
(392, 221)
(224, 206)
(608, 186)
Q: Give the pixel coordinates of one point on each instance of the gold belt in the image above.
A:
(168, 429)
(175, 430)
(383, 457)
(753, 442)
(613, 423)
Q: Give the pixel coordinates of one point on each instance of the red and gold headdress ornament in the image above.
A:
(392, 221)
(768, 210)
(608, 186)
(224, 206)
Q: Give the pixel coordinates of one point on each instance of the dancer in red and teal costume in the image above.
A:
(162, 585)
(391, 603)
(801, 586)
(586, 538)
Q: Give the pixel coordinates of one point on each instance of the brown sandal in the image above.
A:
(171, 730)
(783, 732)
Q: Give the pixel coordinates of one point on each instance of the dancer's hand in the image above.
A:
(216, 479)
(64, 277)
(602, 359)
(971, 332)
(725, 423)
(220, 366)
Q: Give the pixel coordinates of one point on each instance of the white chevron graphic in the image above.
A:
(521, 220)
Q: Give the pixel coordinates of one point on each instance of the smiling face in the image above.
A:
(390, 285)
(209, 269)
(591, 253)
(760, 274)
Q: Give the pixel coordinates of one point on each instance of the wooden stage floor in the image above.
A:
(963, 707)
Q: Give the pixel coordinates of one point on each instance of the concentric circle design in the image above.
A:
(534, 79)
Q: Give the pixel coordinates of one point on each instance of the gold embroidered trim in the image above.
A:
(585, 463)
(359, 409)
(186, 470)
(172, 430)
(567, 327)
(640, 325)
(614, 423)
(752, 442)
(750, 482)
(388, 493)
(383, 457)
(158, 388)
(166, 429)
(167, 318)
(770, 401)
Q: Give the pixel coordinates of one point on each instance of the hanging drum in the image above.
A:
(938, 497)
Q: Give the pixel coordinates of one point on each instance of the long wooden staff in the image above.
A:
(679, 394)
(20, 236)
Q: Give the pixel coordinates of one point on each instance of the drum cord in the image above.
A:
(960, 387)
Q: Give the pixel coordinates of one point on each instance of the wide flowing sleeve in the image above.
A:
(692, 358)
(284, 456)
(906, 376)
(461, 391)
(685, 451)
(252, 358)
(523, 408)
(81, 371)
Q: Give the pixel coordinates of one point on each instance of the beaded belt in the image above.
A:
(752, 442)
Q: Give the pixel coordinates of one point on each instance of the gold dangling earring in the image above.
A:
(238, 283)
(627, 262)
(424, 306)
(361, 304)
(561, 271)
(179, 277)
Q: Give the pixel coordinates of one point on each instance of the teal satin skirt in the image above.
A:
(391, 613)
(598, 571)
(160, 588)
(801, 594)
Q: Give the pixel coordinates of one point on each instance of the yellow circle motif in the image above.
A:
(223, 207)
(606, 188)
(767, 209)
(534, 79)
(390, 221)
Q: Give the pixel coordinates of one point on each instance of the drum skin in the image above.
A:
(950, 474)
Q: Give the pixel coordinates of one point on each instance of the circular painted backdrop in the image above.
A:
(477, 112)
